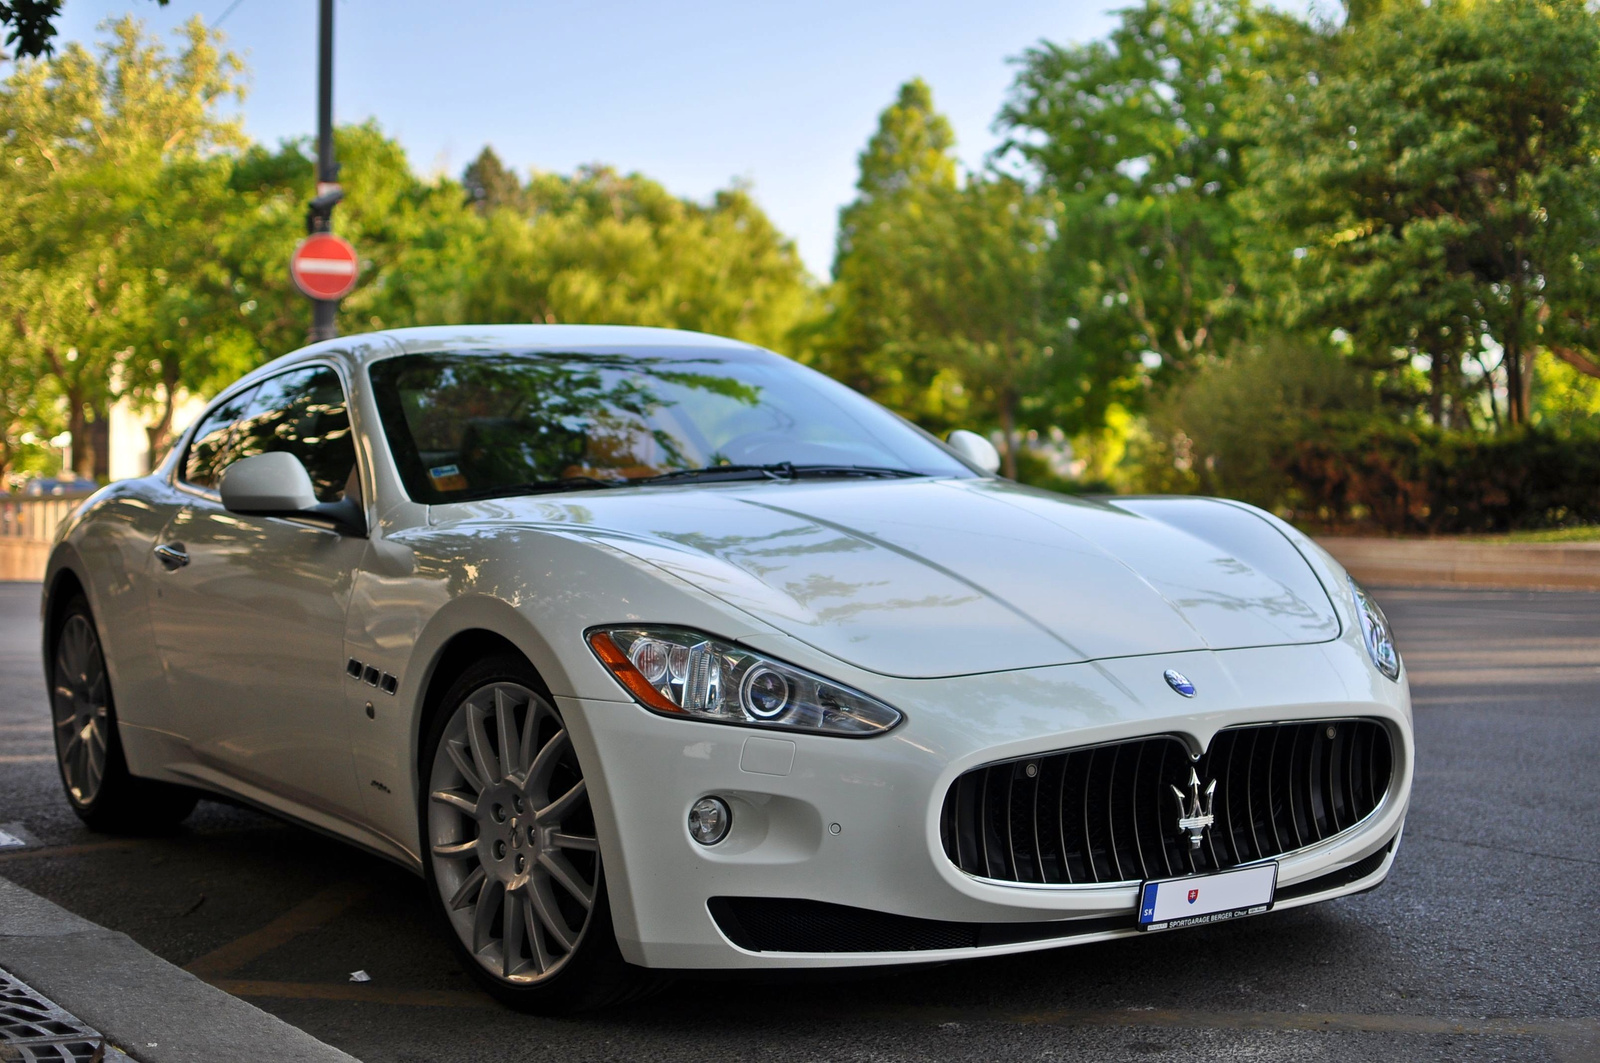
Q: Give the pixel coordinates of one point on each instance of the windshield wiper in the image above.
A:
(783, 470)
(878, 471)
(538, 487)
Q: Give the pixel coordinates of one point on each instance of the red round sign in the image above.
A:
(324, 266)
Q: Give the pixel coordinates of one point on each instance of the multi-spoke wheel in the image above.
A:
(81, 704)
(512, 850)
(93, 770)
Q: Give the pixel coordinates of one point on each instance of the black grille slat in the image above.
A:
(1139, 826)
(1107, 813)
(1269, 791)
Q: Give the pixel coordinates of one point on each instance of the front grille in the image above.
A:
(1107, 813)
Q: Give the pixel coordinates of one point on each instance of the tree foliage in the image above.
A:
(1432, 188)
(163, 267)
(1211, 249)
(1142, 137)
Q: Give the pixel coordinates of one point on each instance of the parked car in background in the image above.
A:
(58, 487)
(649, 649)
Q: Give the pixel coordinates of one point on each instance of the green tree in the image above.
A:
(31, 25)
(942, 282)
(907, 171)
(601, 247)
(1141, 137)
(489, 184)
(92, 140)
(1432, 188)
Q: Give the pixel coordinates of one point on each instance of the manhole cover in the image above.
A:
(36, 1030)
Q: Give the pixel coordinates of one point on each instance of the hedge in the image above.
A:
(1420, 479)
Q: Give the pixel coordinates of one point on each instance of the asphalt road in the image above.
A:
(1483, 944)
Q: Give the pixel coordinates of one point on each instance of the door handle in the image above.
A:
(172, 555)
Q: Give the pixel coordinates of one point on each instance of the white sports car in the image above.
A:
(649, 649)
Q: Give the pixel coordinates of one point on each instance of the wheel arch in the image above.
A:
(459, 652)
(62, 582)
(466, 632)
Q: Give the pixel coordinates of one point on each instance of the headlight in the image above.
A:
(1376, 634)
(683, 673)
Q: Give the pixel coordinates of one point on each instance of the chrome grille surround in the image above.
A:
(1105, 815)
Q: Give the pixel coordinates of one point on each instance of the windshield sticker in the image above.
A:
(447, 478)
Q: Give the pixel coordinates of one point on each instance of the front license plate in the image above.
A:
(1197, 899)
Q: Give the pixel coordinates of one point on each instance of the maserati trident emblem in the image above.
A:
(1179, 682)
(1194, 814)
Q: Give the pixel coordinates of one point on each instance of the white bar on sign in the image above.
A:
(336, 266)
(1184, 898)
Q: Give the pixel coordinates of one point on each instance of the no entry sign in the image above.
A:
(324, 266)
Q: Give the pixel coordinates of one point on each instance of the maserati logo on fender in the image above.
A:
(1194, 815)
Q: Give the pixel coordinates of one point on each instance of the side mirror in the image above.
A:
(277, 485)
(976, 449)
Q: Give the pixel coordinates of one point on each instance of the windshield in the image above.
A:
(470, 424)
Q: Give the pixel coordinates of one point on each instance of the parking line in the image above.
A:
(1336, 1022)
(1585, 1029)
(74, 850)
(27, 758)
(315, 911)
(354, 993)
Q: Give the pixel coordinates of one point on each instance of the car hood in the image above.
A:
(926, 578)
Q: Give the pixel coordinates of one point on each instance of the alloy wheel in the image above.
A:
(511, 834)
(80, 708)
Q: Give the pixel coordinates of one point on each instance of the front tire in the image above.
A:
(94, 772)
(513, 861)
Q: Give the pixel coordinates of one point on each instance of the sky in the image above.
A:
(694, 95)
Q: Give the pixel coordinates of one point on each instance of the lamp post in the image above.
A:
(319, 212)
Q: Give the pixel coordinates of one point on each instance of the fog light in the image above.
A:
(709, 820)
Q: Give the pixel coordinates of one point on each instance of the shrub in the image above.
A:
(1423, 479)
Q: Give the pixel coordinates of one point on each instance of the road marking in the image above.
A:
(366, 994)
(113, 844)
(27, 758)
(1180, 1018)
(1338, 1022)
(74, 850)
(318, 910)
(1502, 848)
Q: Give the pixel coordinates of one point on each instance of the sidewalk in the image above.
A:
(153, 1011)
(1464, 563)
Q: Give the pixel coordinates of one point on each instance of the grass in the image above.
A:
(1587, 533)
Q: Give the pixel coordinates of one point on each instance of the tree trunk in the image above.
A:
(1008, 432)
(100, 446)
(78, 427)
(1580, 361)
(1436, 374)
(1511, 358)
(158, 434)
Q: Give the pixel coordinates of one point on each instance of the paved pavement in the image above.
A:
(1482, 944)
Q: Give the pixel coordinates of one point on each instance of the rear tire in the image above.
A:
(512, 861)
(94, 772)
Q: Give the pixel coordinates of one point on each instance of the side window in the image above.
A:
(304, 413)
(212, 448)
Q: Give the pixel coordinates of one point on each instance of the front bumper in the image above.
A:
(855, 822)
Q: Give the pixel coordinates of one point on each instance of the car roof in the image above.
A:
(360, 349)
(550, 337)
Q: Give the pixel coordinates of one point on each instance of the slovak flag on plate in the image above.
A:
(1194, 895)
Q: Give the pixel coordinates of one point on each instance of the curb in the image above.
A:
(1466, 563)
(154, 1011)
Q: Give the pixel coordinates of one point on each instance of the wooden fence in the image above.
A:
(27, 526)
